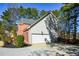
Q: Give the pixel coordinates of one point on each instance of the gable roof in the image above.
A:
(40, 20)
(26, 21)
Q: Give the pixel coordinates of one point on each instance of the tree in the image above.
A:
(34, 13)
(70, 12)
(29, 13)
(56, 13)
(42, 12)
(22, 11)
(6, 15)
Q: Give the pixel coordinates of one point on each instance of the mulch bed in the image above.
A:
(9, 45)
(68, 41)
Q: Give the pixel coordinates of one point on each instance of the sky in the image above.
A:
(39, 6)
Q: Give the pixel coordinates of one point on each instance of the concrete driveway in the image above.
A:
(56, 50)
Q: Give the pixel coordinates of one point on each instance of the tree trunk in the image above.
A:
(75, 28)
(68, 34)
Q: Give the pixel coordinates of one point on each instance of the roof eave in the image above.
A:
(40, 20)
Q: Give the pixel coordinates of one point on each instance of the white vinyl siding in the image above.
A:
(39, 32)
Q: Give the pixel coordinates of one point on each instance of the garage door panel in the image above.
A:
(40, 38)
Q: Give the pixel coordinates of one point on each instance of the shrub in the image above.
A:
(7, 40)
(19, 41)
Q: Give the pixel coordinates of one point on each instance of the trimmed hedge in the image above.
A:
(19, 41)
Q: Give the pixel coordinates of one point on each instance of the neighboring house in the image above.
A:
(38, 31)
(23, 24)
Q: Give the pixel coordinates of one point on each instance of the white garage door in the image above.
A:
(40, 38)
